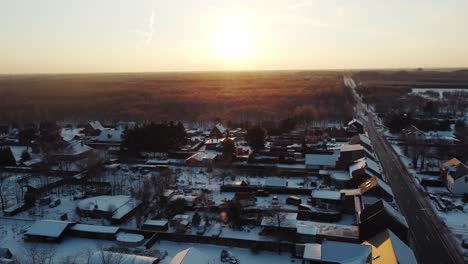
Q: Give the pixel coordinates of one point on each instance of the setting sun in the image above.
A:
(231, 43)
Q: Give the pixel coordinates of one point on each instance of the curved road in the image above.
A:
(430, 239)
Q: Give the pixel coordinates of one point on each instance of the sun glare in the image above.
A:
(231, 43)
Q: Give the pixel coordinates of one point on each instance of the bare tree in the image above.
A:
(35, 255)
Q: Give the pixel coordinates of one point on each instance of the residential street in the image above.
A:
(429, 237)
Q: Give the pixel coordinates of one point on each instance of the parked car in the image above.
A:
(304, 207)
(294, 200)
(274, 200)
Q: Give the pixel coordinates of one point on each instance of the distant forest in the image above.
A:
(229, 96)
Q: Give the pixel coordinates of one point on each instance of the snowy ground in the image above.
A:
(455, 219)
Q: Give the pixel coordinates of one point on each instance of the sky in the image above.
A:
(75, 36)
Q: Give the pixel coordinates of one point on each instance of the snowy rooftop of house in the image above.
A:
(312, 252)
(102, 257)
(324, 159)
(48, 228)
(75, 148)
(221, 128)
(340, 175)
(189, 256)
(326, 194)
(342, 252)
(69, 133)
(155, 222)
(104, 203)
(203, 155)
(275, 182)
(96, 125)
(354, 121)
(364, 139)
(110, 135)
(327, 229)
(354, 147)
(390, 249)
(374, 181)
(287, 220)
(95, 229)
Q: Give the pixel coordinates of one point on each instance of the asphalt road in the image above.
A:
(429, 237)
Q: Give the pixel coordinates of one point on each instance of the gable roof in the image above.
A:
(342, 252)
(322, 159)
(450, 163)
(390, 249)
(102, 257)
(96, 125)
(460, 171)
(375, 182)
(189, 256)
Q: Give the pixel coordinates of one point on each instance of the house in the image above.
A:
(47, 230)
(218, 131)
(104, 257)
(321, 161)
(361, 139)
(363, 169)
(202, 158)
(180, 222)
(413, 134)
(326, 199)
(342, 252)
(116, 208)
(312, 253)
(354, 127)
(380, 216)
(155, 225)
(245, 198)
(112, 135)
(94, 231)
(444, 166)
(75, 156)
(376, 188)
(93, 128)
(349, 154)
(339, 179)
(190, 256)
(387, 248)
(457, 179)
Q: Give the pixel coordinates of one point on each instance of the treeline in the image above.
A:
(236, 96)
(153, 138)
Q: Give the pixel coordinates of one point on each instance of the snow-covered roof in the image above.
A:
(364, 139)
(48, 228)
(326, 194)
(110, 135)
(390, 249)
(129, 237)
(312, 252)
(220, 128)
(324, 159)
(104, 257)
(342, 252)
(95, 229)
(104, 203)
(204, 155)
(96, 125)
(373, 182)
(155, 222)
(68, 134)
(340, 175)
(275, 182)
(190, 256)
(287, 220)
(394, 213)
(75, 148)
(354, 147)
(354, 121)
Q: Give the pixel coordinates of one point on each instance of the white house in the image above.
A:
(457, 179)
